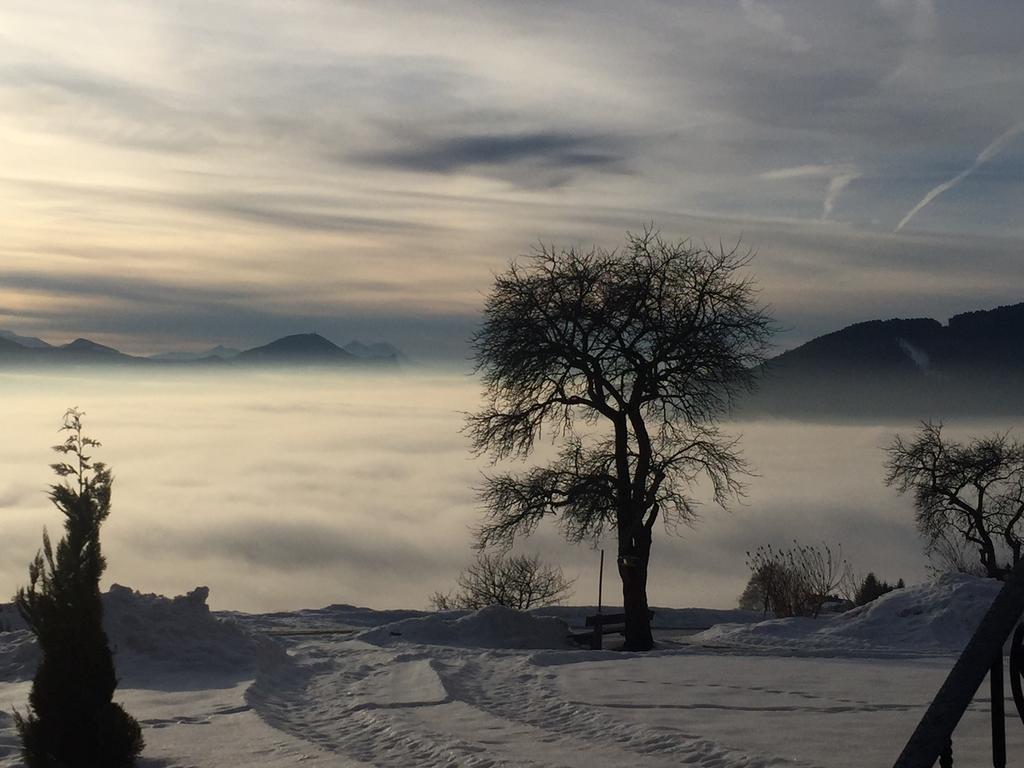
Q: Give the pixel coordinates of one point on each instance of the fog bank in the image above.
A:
(286, 490)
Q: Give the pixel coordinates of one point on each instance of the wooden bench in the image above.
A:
(607, 624)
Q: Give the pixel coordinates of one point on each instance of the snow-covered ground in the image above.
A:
(496, 687)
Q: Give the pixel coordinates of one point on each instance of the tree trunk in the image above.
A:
(633, 558)
(988, 557)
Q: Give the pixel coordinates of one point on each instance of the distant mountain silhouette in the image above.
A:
(77, 352)
(915, 367)
(379, 350)
(219, 352)
(11, 349)
(224, 353)
(300, 349)
(31, 342)
(87, 348)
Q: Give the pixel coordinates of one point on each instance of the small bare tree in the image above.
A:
(515, 581)
(972, 491)
(797, 581)
(948, 552)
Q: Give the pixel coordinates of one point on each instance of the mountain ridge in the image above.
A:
(296, 349)
(913, 367)
(986, 338)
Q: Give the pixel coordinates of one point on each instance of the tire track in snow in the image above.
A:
(512, 688)
(517, 707)
(309, 701)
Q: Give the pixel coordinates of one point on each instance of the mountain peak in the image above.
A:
(87, 345)
(299, 347)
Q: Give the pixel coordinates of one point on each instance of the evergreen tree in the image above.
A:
(871, 589)
(72, 720)
(755, 595)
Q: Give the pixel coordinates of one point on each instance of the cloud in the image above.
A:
(104, 109)
(12, 496)
(919, 15)
(286, 514)
(304, 219)
(761, 15)
(291, 546)
(552, 154)
(996, 146)
(323, 212)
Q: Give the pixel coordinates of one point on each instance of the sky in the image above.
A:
(175, 175)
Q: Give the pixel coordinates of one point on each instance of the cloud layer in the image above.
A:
(282, 491)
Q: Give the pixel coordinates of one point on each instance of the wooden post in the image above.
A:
(995, 678)
(597, 638)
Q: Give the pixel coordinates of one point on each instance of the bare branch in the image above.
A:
(975, 489)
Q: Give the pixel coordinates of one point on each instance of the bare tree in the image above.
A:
(645, 347)
(800, 580)
(972, 491)
(515, 581)
(822, 569)
(948, 552)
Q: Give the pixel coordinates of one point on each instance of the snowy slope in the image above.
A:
(934, 617)
(153, 635)
(491, 627)
(501, 688)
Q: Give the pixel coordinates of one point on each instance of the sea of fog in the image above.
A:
(286, 490)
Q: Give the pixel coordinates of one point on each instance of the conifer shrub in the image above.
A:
(872, 588)
(72, 720)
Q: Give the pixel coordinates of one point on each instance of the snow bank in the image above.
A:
(664, 618)
(491, 627)
(331, 617)
(939, 616)
(152, 633)
(180, 632)
(341, 616)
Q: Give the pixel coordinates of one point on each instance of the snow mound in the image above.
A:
(940, 616)
(152, 633)
(493, 627)
(664, 618)
(331, 617)
(180, 632)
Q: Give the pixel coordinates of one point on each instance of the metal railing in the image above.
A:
(932, 740)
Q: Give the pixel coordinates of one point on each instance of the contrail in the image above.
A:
(836, 185)
(984, 156)
(840, 177)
